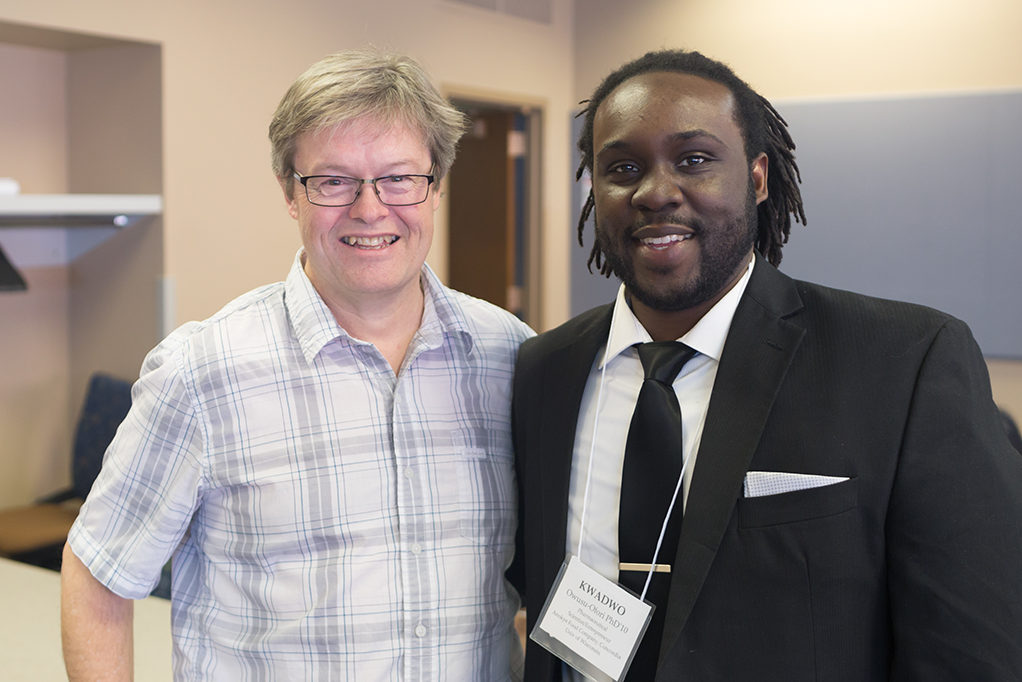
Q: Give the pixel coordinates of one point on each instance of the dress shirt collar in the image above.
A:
(707, 336)
(315, 326)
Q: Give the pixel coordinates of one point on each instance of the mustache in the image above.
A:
(645, 220)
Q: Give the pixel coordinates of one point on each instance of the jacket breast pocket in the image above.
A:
(799, 505)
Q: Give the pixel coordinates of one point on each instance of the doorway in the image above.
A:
(493, 223)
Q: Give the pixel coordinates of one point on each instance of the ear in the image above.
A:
(287, 185)
(758, 173)
(436, 194)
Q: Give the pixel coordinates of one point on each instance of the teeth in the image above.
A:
(370, 242)
(661, 241)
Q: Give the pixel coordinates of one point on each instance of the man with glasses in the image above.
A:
(327, 459)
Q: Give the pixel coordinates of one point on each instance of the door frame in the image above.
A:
(534, 112)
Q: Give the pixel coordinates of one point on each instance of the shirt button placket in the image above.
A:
(411, 542)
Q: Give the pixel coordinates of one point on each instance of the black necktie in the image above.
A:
(653, 461)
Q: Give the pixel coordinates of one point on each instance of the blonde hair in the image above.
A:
(348, 85)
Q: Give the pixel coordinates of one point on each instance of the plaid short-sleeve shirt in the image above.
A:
(329, 519)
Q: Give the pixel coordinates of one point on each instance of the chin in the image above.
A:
(668, 301)
(672, 293)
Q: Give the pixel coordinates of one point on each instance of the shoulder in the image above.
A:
(198, 342)
(839, 315)
(485, 322)
(816, 305)
(879, 318)
(839, 323)
(579, 329)
(883, 335)
(574, 342)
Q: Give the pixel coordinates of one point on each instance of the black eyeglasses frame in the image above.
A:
(304, 180)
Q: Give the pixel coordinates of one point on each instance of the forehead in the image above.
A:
(665, 104)
(365, 137)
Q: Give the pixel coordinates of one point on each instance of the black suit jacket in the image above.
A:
(909, 570)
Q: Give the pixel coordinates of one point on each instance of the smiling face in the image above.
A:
(365, 253)
(675, 196)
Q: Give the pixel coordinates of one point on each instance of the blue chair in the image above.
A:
(36, 533)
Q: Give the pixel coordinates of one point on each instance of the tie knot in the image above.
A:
(662, 360)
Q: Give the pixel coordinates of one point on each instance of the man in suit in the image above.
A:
(850, 508)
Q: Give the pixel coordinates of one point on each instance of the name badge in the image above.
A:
(591, 623)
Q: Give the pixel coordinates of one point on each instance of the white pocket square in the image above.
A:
(763, 483)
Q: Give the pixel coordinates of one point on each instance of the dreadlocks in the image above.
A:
(763, 130)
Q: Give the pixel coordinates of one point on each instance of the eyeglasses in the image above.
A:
(391, 190)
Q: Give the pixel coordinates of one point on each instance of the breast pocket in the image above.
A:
(486, 492)
(800, 505)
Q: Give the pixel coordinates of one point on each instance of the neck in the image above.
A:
(665, 325)
(389, 325)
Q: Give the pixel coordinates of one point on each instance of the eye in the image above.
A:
(332, 185)
(693, 160)
(622, 170)
(333, 181)
(397, 180)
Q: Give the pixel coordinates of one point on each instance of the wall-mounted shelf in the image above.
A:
(54, 229)
(77, 210)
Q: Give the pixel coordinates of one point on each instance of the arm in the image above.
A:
(96, 625)
(954, 530)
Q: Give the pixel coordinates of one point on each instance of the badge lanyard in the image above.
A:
(589, 475)
(589, 621)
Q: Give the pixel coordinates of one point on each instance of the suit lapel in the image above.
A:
(756, 356)
(566, 373)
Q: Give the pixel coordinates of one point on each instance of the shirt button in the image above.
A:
(408, 473)
(416, 548)
(420, 630)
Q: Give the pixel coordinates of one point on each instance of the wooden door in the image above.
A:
(482, 211)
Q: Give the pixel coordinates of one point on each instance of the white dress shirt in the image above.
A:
(605, 418)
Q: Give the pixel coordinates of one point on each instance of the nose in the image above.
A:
(368, 207)
(659, 188)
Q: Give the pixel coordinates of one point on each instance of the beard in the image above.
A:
(724, 245)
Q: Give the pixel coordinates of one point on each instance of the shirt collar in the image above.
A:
(707, 336)
(442, 315)
(315, 326)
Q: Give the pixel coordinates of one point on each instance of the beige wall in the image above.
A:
(33, 134)
(1006, 381)
(808, 48)
(34, 402)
